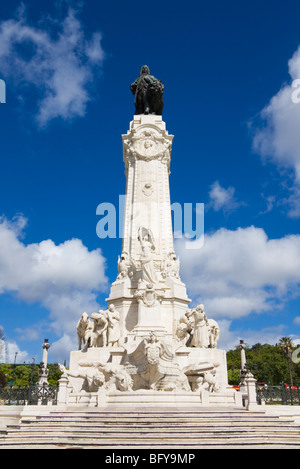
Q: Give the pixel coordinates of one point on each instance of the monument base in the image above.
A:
(194, 377)
(180, 399)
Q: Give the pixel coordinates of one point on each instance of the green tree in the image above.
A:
(6, 371)
(286, 346)
(54, 374)
(266, 362)
(23, 375)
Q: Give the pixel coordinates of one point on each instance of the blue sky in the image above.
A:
(228, 69)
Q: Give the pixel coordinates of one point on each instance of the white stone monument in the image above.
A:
(148, 346)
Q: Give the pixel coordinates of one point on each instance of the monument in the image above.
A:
(149, 346)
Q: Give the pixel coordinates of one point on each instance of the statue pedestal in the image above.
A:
(194, 364)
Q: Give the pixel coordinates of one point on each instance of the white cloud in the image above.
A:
(277, 136)
(64, 278)
(60, 65)
(60, 350)
(221, 198)
(270, 201)
(241, 271)
(15, 355)
(297, 321)
(229, 339)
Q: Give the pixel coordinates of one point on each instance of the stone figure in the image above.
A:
(182, 332)
(82, 326)
(113, 329)
(200, 335)
(202, 376)
(95, 375)
(116, 376)
(148, 93)
(124, 266)
(209, 382)
(146, 240)
(214, 333)
(120, 381)
(89, 335)
(154, 366)
(156, 354)
(100, 329)
(170, 266)
(92, 377)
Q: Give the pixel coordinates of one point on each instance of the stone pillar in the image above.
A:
(148, 292)
(62, 396)
(147, 154)
(43, 370)
(251, 392)
(244, 369)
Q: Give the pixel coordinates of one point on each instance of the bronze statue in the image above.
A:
(148, 93)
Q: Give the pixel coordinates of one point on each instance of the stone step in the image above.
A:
(121, 419)
(186, 433)
(142, 413)
(152, 417)
(155, 442)
(146, 442)
(95, 428)
(153, 423)
(165, 424)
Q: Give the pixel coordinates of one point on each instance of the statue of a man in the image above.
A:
(100, 329)
(148, 93)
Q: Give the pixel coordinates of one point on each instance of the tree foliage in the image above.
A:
(266, 362)
(23, 375)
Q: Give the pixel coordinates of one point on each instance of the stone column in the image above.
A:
(62, 396)
(43, 370)
(148, 292)
(243, 370)
(251, 392)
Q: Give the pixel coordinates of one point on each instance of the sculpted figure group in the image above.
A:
(152, 365)
(195, 330)
(101, 330)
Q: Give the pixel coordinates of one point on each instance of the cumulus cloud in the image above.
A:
(61, 348)
(58, 60)
(65, 279)
(276, 135)
(221, 198)
(14, 354)
(229, 339)
(241, 271)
